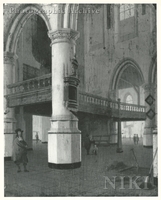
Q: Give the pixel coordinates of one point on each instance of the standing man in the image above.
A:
(37, 137)
(87, 143)
(20, 151)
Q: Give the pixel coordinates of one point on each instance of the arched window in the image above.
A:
(128, 21)
(126, 11)
(129, 99)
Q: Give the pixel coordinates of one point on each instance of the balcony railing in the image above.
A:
(93, 99)
(31, 84)
(132, 107)
(45, 82)
(100, 101)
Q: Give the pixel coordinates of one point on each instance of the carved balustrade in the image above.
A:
(43, 83)
(31, 84)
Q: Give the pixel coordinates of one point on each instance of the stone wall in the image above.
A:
(103, 49)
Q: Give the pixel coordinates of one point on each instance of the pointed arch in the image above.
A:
(153, 69)
(119, 69)
(18, 21)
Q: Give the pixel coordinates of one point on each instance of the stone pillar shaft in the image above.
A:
(119, 140)
(64, 138)
(155, 156)
(9, 117)
(113, 134)
(155, 143)
(149, 123)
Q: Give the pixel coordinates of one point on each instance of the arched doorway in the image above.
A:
(127, 81)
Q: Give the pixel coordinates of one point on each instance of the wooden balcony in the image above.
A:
(103, 106)
(38, 90)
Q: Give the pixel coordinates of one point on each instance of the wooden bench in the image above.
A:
(101, 139)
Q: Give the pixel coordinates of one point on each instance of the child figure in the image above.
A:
(95, 149)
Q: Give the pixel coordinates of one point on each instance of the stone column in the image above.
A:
(113, 133)
(155, 156)
(149, 123)
(9, 115)
(64, 138)
(155, 144)
(119, 137)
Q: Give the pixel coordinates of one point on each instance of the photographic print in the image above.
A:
(80, 100)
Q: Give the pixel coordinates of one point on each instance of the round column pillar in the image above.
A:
(155, 156)
(64, 138)
(113, 134)
(149, 123)
(155, 143)
(119, 136)
(9, 115)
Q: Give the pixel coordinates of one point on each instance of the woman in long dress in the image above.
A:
(20, 151)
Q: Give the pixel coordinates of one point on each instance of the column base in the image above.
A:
(148, 137)
(64, 166)
(119, 150)
(64, 149)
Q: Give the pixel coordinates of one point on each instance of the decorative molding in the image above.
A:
(150, 114)
(149, 100)
(67, 117)
(29, 98)
(71, 80)
(60, 34)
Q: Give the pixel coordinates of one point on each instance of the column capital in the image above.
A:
(63, 35)
(9, 57)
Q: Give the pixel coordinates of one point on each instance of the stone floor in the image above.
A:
(89, 180)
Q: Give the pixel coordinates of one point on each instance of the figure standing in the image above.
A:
(37, 137)
(136, 139)
(20, 151)
(93, 147)
(87, 143)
